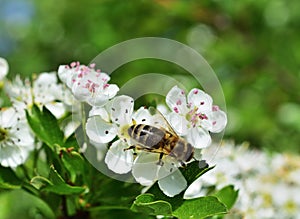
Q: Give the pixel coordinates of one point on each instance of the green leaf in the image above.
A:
(71, 142)
(45, 126)
(8, 179)
(146, 203)
(64, 189)
(21, 204)
(193, 171)
(200, 208)
(58, 186)
(39, 182)
(227, 196)
(74, 163)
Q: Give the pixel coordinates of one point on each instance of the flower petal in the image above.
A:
(70, 127)
(120, 108)
(199, 137)
(8, 117)
(97, 100)
(12, 156)
(145, 168)
(200, 99)
(99, 130)
(218, 120)
(142, 116)
(3, 68)
(172, 184)
(176, 100)
(117, 159)
(99, 111)
(62, 73)
(169, 165)
(58, 109)
(155, 118)
(111, 90)
(178, 123)
(23, 136)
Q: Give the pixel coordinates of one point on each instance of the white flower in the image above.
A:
(195, 116)
(3, 68)
(87, 84)
(44, 91)
(107, 122)
(113, 120)
(16, 140)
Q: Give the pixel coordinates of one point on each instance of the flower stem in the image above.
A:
(83, 121)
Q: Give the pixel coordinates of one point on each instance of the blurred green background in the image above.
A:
(253, 46)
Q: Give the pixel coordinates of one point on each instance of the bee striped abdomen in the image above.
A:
(183, 151)
(146, 135)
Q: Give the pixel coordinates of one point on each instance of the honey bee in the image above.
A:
(162, 140)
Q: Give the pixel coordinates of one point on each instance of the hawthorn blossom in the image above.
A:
(113, 120)
(3, 68)
(195, 116)
(43, 91)
(107, 122)
(16, 141)
(87, 84)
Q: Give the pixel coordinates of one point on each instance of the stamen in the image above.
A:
(73, 64)
(176, 109)
(203, 116)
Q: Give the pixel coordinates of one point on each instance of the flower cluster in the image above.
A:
(142, 142)
(42, 91)
(268, 184)
(87, 84)
(111, 117)
(195, 116)
(16, 138)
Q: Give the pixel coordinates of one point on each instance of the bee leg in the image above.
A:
(129, 148)
(160, 162)
(182, 164)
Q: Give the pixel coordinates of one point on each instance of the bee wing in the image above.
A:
(159, 120)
